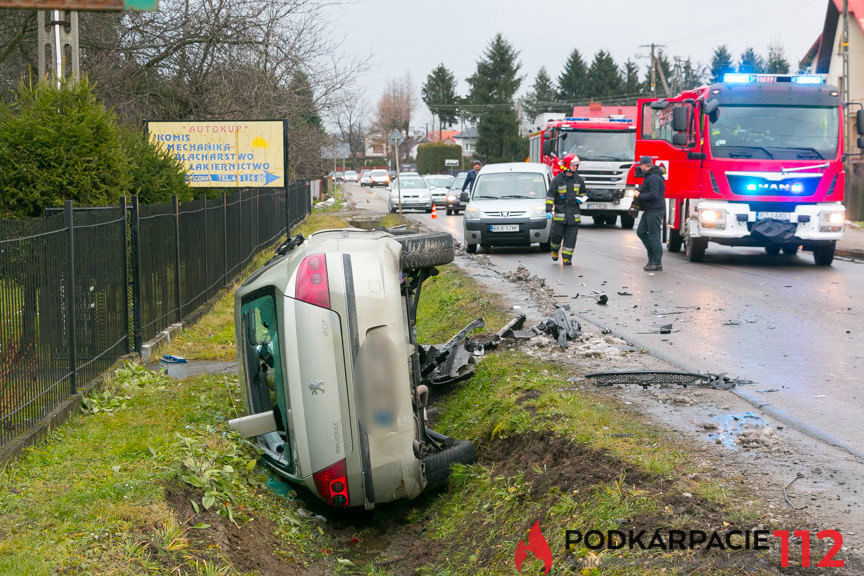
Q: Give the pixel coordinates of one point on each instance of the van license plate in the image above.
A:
(785, 216)
(504, 228)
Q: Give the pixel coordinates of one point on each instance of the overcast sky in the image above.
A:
(416, 35)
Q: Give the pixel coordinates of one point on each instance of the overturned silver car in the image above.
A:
(331, 367)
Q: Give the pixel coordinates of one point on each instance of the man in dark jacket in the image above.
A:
(471, 176)
(562, 207)
(652, 203)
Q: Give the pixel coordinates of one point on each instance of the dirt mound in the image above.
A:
(547, 459)
(252, 546)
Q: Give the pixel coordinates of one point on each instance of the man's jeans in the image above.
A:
(649, 232)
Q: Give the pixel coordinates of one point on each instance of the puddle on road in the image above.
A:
(729, 426)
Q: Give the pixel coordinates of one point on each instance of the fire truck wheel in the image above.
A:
(823, 253)
(675, 240)
(696, 249)
(772, 250)
(627, 221)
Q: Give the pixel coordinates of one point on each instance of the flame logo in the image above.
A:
(537, 545)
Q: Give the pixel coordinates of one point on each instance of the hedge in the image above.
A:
(431, 157)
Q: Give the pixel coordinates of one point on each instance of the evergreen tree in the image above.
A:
(751, 62)
(439, 94)
(304, 110)
(777, 63)
(541, 96)
(571, 82)
(604, 77)
(493, 87)
(721, 63)
(632, 85)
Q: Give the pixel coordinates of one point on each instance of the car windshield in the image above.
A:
(410, 182)
(457, 182)
(599, 145)
(775, 132)
(510, 185)
(439, 181)
(378, 173)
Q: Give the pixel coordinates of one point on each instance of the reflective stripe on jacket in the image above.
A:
(561, 198)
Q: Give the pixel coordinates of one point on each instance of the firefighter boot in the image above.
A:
(555, 248)
(567, 256)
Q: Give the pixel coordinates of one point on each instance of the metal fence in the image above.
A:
(82, 287)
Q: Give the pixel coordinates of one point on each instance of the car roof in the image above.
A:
(529, 167)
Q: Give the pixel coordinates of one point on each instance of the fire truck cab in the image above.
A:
(756, 160)
(603, 137)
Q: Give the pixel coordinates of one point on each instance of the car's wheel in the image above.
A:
(425, 250)
(675, 240)
(772, 249)
(696, 249)
(436, 467)
(790, 249)
(545, 247)
(823, 254)
(449, 212)
(471, 248)
(627, 221)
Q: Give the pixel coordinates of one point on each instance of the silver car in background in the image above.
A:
(412, 192)
(508, 207)
(439, 187)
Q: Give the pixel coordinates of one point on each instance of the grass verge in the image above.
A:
(148, 480)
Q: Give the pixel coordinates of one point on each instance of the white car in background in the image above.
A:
(379, 178)
(508, 207)
(439, 187)
(365, 179)
(415, 194)
(351, 176)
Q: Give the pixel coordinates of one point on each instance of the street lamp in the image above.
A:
(396, 137)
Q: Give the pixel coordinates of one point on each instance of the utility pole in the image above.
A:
(844, 54)
(57, 35)
(653, 48)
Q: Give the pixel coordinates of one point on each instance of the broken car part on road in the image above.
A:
(646, 378)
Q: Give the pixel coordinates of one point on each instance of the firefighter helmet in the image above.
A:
(571, 162)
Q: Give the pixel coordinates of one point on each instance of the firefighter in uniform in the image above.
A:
(562, 207)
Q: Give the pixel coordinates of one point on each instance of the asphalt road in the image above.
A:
(792, 328)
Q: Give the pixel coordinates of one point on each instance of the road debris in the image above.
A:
(761, 438)
(798, 476)
(646, 378)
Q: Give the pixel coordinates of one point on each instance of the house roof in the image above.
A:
(823, 47)
(442, 136)
(470, 132)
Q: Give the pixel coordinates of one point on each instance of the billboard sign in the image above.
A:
(232, 154)
(82, 4)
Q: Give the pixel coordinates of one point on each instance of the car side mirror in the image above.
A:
(711, 106)
(861, 142)
(659, 105)
(464, 197)
(680, 139)
(859, 121)
(254, 424)
(548, 146)
(680, 119)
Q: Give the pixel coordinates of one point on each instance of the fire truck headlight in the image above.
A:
(710, 218)
(832, 221)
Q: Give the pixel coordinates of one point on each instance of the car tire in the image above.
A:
(436, 467)
(772, 250)
(471, 248)
(449, 212)
(545, 247)
(627, 221)
(425, 250)
(790, 249)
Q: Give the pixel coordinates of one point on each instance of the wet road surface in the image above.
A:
(792, 328)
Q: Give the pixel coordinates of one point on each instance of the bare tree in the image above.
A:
(396, 106)
(350, 119)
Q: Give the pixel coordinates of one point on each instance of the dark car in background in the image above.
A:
(455, 203)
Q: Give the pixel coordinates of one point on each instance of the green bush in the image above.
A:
(62, 143)
(431, 156)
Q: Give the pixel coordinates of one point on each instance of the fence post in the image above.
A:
(204, 249)
(137, 320)
(177, 282)
(124, 207)
(225, 238)
(69, 289)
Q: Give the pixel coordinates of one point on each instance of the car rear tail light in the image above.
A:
(311, 285)
(332, 484)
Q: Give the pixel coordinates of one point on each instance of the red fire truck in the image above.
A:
(604, 138)
(756, 160)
